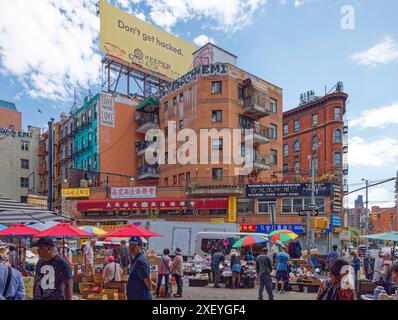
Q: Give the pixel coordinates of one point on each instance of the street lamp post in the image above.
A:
(367, 214)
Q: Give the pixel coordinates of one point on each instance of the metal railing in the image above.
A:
(153, 169)
(142, 145)
(152, 118)
(233, 182)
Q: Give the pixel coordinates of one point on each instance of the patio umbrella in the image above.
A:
(131, 231)
(63, 230)
(387, 236)
(283, 235)
(42, 225)
(249, 241)
(93, 230)
(2, 227)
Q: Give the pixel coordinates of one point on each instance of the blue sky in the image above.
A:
(299, 45)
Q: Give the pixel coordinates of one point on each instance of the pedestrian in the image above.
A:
(88, 257)
(377, 267)
(139, 283)
(115, 253)
(53, 276)
(178, 271)
(281, 269)
(336, 288)
(164, 270)
(66, 254)
(356, 264)
(236, 268)
(264, 270)
(11, 282)
(394, 273)
(385, 271)
(12, 256)
(124, 255)
(217, 259)
(331, 257)
(112, 271)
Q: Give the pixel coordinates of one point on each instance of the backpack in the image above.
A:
(331, 292)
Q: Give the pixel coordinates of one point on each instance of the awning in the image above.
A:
(16, 212)
(387, 236)
(157, 204)
(148, 105)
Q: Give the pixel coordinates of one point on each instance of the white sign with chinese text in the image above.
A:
(133, 192)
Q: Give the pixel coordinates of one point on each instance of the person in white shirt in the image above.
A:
(88, 257)
(377, 267)
(112, 271)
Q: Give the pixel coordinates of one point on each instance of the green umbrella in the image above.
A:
(249, 241)
(283, 235)
(387, 236)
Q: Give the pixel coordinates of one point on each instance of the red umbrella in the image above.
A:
(131, 231)
(18, 230)
(64, 230)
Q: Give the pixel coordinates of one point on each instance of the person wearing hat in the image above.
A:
(88, 257)
(177, 268)
(112, 271)
(11, 282)
(53, 276)
(139, 283)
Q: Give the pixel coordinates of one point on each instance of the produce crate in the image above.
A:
(112, 294)
(366, 287)
(97, 296)
(120, 286)
(198, 283)
(122, 296)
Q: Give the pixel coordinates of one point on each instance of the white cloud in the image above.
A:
(50, 45)
(227, 15)
(384, 52)
(298, 3)
(203, 39)
(380, 117)
(377, 153)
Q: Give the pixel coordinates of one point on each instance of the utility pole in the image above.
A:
(313, 206)
(50, 198)
(367, 213)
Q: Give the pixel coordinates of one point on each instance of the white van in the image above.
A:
(205, 240)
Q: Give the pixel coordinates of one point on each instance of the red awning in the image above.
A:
(146, 204)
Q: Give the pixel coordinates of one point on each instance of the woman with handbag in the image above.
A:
(164, 270)
(112, 272)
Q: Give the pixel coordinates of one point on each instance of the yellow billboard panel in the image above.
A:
(232, 209)
(37, 201)
(136, 42)
(76, 193)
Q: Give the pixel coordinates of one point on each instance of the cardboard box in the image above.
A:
(97, 296)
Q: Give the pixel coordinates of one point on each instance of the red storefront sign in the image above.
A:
(248, 227)
(146, 204)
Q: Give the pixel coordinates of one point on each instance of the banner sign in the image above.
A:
(217, 220)
(287, 189)
(76, 193)
(133, 192)
(267, 228)
(15, 134)
(336, 203)
(232, 209)
(107, 110)
(132, 40)
(336, 221)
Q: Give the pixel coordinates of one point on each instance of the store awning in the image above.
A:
(148, 105)
(387, 236)
(156, 204)
(12, 211)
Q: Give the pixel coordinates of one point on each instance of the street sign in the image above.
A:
(312, 213)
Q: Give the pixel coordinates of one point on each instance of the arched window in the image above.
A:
(315, 142)
(286, 150)
(337, 136)
(297, 146)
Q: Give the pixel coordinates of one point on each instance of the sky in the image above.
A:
(50, 47)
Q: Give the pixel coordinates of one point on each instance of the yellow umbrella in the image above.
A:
(93, 230)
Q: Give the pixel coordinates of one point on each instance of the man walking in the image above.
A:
(217, 258)
(11, 283)
(332, 257)
(264, 269)
(88, 257)
(53, 277)
(178, 270)
(139, 284)
(124, 255)
(281, 269)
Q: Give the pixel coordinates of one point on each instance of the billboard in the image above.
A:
(76, 193)
(136, 42)
(107, 110)
(287, 189)
(133, 192)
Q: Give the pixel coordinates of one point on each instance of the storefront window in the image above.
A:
(286, 205)
(245, 207)
(265, 205)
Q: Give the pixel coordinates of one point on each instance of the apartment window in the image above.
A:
(181, 178)
(24, 145)
(89, 114)
(285, 129)
(273, 105)
(286, 205)
(95, 160)
(286, 150)
(337, 113)
(83, 164)
(166, 157)
(174, 180)
(217, 173)
(337, 158)
(166, 106)
(242, 149)
(265, 205)
(166, 181)
(337, 136)
(24, 164)
(297, 146)
(188, 176)
(246, 122)
(314, 120)
(24, 182)
(274, 131)
(296, 126)
(82, 142)
(274, 156)
(181, 97)
(285, 169)
(217, 144)
(216, 116)
(89, 139)
(216, 86)
(241, 94)
(174, 101)
(297, 205)
(245, 207)
(24, 199)
(315, 142)
(296, 167)
(89, 162)
(293, 205)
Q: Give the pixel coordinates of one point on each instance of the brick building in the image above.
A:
(383, 219)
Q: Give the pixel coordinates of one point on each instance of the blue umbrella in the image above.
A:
(2, 227)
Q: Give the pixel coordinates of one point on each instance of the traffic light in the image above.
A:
(319, 223)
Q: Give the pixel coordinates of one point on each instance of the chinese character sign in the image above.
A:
(133, 192)
(76, 193)
(232, 208)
